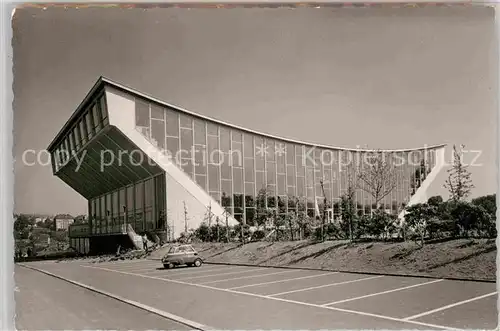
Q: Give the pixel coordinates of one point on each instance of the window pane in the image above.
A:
(225, 169)
(141, 113)
(199, 132)
(122, 199)
(90, 125)
(213, 178)
(172, 123)
(226, 201)
(83, 131)
(213, 150)
(158, 133)
(270, 156)
(225, 142)
(299, 157)
(248, 145)
(186, 121)
(200, 160)
(139, 196)
(71, 142)
(238, 180)
(290, 175)
(149, 203)
(281, 185)
(259, 163)
(104, 109)
(237, 155)
(301, 187)
(157, 112)
(186, 142)
(226, 188)
(249, 190)
(103, 207)
(108, 205)
(249, 171)
(259, 177)
(96, 116)
(281, 164)
(173, 146)
(237, 136)
(116, 206)
(78, 141)
(290, 154)
(238, 203)
(310, 177)
(309, 156)
(271, 173)
(212, 129)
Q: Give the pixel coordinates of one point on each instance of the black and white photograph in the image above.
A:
(316, 167)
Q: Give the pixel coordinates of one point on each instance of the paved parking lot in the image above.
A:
(241, 297)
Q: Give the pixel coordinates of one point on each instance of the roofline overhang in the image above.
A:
(103, 81)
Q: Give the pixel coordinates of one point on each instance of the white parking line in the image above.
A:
(226, 273)
(174, 274)
(449, 306)
(252, 276)
(184, 271)
(120, 262)
(130, 267)
(434, 326)
(130, 264)
(283, 280)
(327, 285)
(384, 292)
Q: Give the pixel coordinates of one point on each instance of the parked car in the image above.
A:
(180, 255)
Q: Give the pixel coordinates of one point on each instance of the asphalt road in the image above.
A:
(236, 297)
(47, 303)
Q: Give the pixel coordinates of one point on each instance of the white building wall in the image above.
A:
(180, 187)
(421, 195)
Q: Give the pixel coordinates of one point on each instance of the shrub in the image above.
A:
(380, 224)
(203, 232)
(468, 216)
(258, 235)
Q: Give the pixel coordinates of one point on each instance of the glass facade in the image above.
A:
(141, 205)
(233, 165)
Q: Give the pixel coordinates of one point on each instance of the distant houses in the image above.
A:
(63, 221)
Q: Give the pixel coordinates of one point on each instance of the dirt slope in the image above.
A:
(462, 258)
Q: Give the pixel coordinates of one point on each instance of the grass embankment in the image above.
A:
(461, 258)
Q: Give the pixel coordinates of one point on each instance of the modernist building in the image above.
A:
(147, 166)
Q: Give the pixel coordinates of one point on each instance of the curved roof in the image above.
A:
(106, 81)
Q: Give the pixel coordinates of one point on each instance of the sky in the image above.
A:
(382, 78)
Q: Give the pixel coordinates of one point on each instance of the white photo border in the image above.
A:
(7, 284)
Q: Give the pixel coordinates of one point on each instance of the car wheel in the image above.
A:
(197, 263)
(168, 266)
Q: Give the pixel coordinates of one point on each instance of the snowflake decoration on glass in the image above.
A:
(261, 150)
(280, 150)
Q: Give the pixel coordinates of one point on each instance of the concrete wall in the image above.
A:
(422, 195)
(180, 187)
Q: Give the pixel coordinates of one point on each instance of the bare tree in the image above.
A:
(376, 176)
(458, 183)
